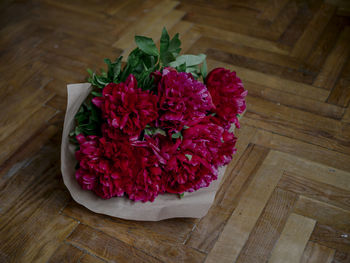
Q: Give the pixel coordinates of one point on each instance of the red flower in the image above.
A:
(104, 166)
(148, 178)
(188, 173)
(209, 141)
(184, 170)
(228, 95)
(127, 107)
(112, 168)
(182, 99)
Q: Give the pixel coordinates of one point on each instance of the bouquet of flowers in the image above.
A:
(157, 124)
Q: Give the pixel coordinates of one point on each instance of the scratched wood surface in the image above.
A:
(286, 194)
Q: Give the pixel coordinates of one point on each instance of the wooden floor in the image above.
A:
(286, 194)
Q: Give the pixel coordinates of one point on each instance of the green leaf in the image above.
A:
(117, 68)
(190, 60)
(181, 195)
(147, 45)
(96, 94)
(204, 70)
(167, 57)
(174, 45)
(189, 156)
(176, 135)
(110, 67)
(194, 70)
(164, 42)
(169, 49)
(90, 71)
(153, 131)
(181, 68)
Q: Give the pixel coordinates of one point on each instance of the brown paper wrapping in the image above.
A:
(194, 205)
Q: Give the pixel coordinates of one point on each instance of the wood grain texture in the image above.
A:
(293, 239)
(314, 253)
(285, 197)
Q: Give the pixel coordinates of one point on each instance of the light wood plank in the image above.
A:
(305, 150)
(268, 228)
(238, 178)
(247, 212)
(107, 247)
(66, 253)
(315, 190)
(291, 244)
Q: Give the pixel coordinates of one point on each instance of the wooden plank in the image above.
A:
(14, 138)
(325, 44)
(240, 39)
(209, 228)
(234, 46)
(324, 213)
(317, 172)
(340, 94)
(330, 237)
(335, 62)
(252, 202)
(32, 229)
(250, 27)
(23, 156)
(315, 253)
(87, 258)
(105, 246)
(302, 149)
(268, 228)
(267, 68)
(294, 101)
(272, 9)
(293, 239)
(305, 13)
(283, 19)
(313, 31)
(297, 124)
(142, 25)
(160, 239)
(346, 117)
(27, 107)
(341, 257)
(315, 190)
(66, 253)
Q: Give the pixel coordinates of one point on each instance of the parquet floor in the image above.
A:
(286, 194)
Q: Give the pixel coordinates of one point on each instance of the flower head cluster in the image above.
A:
(228, 95)
(182, 99)
(171, 140)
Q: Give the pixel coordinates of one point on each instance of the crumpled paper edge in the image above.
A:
(192, 205)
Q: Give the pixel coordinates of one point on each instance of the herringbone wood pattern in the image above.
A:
(285, 196)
